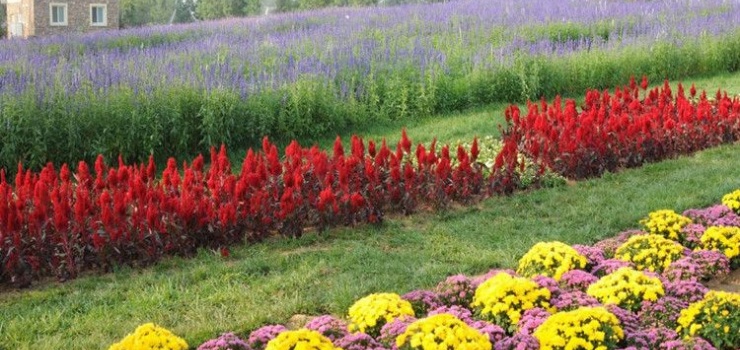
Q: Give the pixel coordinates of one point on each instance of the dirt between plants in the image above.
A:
(729, 283)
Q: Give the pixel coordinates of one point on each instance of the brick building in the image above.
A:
(27, 18)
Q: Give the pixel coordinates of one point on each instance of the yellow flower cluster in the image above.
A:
(551, 259)
(626, 288)
(583, 328)
(150, 337)
(442, 332)
(370, 313)
(503, 298)
(303, 339)
(716, 318)
(725, 239)
(666, 223)
(650, 252)
(732, 200)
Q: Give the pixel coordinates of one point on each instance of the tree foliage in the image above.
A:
(142, 12)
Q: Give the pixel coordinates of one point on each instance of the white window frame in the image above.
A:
(51, 14)
(104, 23)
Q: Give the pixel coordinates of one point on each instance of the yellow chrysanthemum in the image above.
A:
(551, 259)
(732, 200)
(583, 328)
(650, 252)
(626, 288)
(441, 332)
(503, 298)
(715, 318)
(666, 223)
(303, 339)
(150, 337)
(370, 313)
(725, 239)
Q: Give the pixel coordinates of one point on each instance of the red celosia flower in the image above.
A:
(357, 201)
(474, 151)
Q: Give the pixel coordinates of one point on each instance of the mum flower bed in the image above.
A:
(627, 307)
(59, 223)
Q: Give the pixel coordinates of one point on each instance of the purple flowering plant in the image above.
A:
(227, 341)
(259, 338)
(329, 326)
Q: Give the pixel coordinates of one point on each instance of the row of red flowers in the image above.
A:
(58, 223)
(619, 130)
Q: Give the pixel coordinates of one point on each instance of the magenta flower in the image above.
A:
(519, 341)
(392, 330)
(716, 215)
(531, 319)
(572, 300)
(687, 344)
(261, 336)
(684, 269)
(547, 282)
(227, 341)
(456, 290)
(609, 245)
(577, 280)
(688, 291)
(691, 235)
(610, 265)
(661, 313)
(628, 320)
(594, 255)
(460, 312)
(358, 341)
(330, 326)
(422, 301)
(711, 263)
(495, 333)
(650, 338)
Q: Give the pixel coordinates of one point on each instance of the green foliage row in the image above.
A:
(180, 121)
(136, 13)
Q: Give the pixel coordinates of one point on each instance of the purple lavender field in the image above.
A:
(174, 91)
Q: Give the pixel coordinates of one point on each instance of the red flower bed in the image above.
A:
(619, 130)
(57, 223)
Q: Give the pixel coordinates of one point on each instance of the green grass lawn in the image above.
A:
(271, 281)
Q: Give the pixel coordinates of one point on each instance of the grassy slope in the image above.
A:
(269, 282)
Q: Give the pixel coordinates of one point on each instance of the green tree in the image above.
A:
(213, 9)
(3, 19)
(136, 13)
(184, 11)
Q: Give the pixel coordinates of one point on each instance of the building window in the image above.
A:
(98, 15)
(58, 15)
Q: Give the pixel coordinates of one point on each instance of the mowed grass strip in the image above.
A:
(271, 281)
